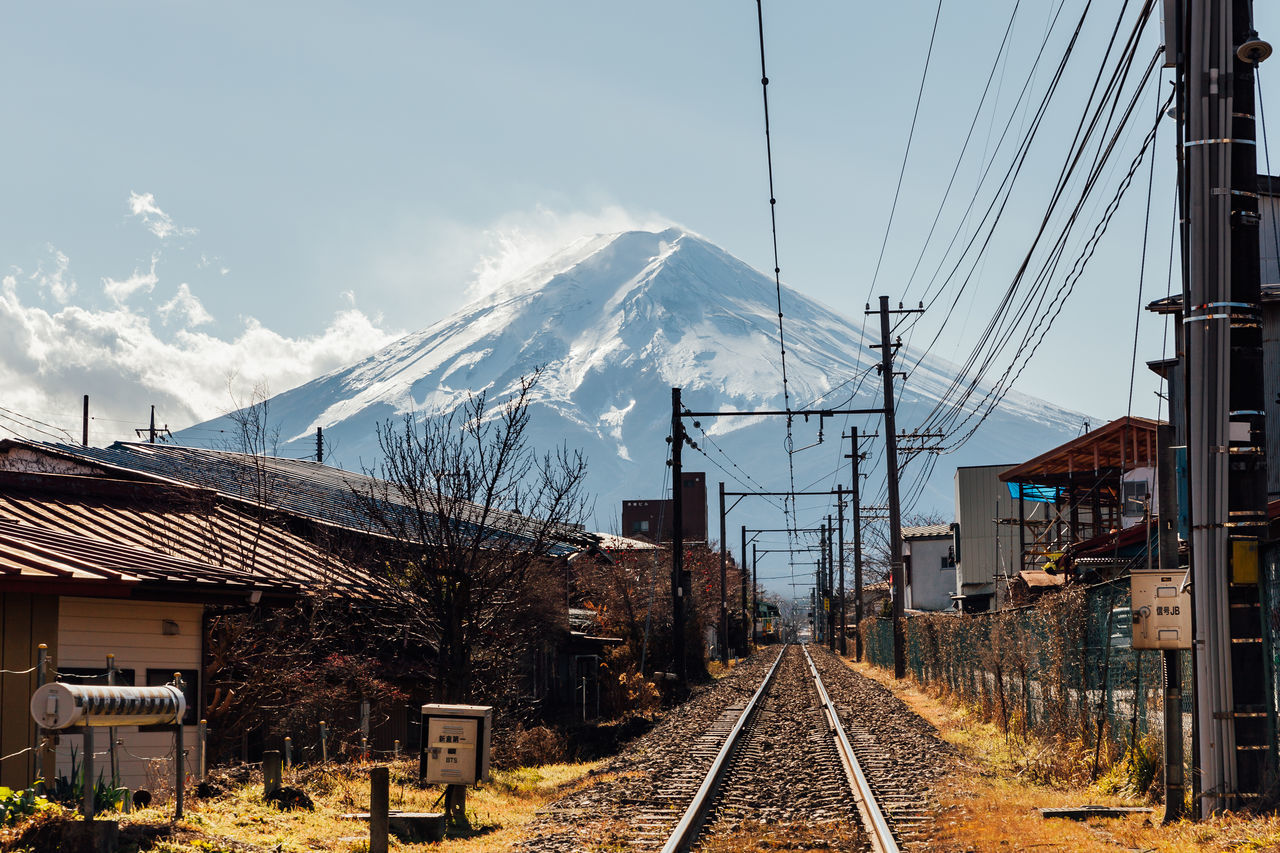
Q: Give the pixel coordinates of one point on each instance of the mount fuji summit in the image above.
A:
(617, 320)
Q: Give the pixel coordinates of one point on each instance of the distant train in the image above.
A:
(768, 623)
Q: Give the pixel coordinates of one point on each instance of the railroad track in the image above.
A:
(785, 769)
(800, 752)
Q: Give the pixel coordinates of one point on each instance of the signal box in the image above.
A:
(455, 744)
(1161, 611)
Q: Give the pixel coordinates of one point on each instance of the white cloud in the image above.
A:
(186, 307)
(518, 242)
(159, 223)
(53, 276)
(120, 290)
(149, 351)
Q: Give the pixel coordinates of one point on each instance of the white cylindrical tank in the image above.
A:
(59, 705)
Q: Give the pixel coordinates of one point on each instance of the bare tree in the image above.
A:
(480, 520)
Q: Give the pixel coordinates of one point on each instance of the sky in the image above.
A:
(203, 199)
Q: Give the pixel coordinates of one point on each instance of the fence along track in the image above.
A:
(876, 826)
(873, 818)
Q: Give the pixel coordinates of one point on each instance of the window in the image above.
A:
(640, 526)
(949, 558)
(1135, 497)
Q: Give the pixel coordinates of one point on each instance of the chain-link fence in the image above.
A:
(1063, 666)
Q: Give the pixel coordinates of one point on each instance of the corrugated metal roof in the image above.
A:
(296, 486)
(32, 555)
(184, 524)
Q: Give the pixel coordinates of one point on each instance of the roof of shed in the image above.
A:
(300, 487)
(926, 531)
(182, 523)
(1121, 445)
(38, 559)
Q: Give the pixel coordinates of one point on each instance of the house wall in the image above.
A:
(26, 620)
(29, 461)
(987, 551)
(89, 629)
(931, 584)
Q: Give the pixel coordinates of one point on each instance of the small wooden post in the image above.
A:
(324, 744)
(379, 809)
(288, 752)
(272, 766)
(455, 805)
(202, 734)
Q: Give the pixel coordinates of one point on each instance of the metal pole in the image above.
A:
(379, 809)
(179, 757)
(111, 731)
(87, 803)
(844, 619)
(84, 429)
(755, 604)
(724, 600)
(679, 664)
(1226, 424)
(746, 618)
(856, 500)
(891, 475)
(42, 755)
(202, 734)
(831, 589)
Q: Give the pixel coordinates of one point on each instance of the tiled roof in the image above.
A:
(926, 531)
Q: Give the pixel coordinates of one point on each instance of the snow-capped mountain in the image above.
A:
(616, 320)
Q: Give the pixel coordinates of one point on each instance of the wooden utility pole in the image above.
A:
(1218, 50)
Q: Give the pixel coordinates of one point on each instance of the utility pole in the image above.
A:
(1170, 659)
(854, 456)
(724, 599)
(887, 349)
(152, 431)
(831, 589)
(755, 585)
(677, 539)
(746, 617)
(1225, 403)
(320, 444)
(84, 431)
(844, 646)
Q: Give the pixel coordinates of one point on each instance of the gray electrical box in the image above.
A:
(1161, 611)
(455, 744)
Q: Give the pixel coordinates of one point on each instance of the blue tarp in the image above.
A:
(1032, 492)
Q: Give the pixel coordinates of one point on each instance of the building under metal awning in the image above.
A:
(1097, 483)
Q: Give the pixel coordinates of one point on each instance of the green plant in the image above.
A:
(70, 790)
(16, 805)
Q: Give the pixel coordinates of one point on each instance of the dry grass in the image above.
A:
(991, 802)
(240, 822)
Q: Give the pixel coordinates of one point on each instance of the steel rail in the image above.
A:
(687, 829)
(873, 818)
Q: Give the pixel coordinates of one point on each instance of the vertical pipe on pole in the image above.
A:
(111, 731)
(43, 755)
(1170, 659)
(179, 757)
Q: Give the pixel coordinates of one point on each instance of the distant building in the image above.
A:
(650, 520)
(930, 558)
(986, 551)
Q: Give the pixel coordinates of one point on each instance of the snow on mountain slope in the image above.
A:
(616, 320)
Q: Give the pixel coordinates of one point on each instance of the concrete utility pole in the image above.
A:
(854, 456)
(677, 539)
(1170, 659)
(887, 349)
(320, 444)
(84, 432)
(844, 621)
(1225, 407)
(746, 617)
(831, 587)
(724, 599)
(755, 585)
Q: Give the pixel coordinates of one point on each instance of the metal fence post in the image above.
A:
(179, 757)
(202, 734)
(379, 807)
